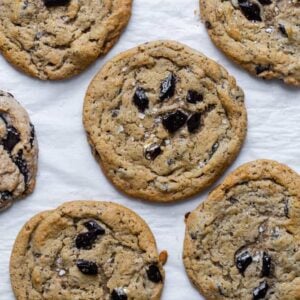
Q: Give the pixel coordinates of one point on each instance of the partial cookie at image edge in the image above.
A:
(117, 218)
(212, 209)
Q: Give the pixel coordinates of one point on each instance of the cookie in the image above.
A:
(164, 121)
(243, 242)
(18, 151)
(263, 36)
(86, 250)
(56, 39)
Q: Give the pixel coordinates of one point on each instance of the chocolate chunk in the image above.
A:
(208, 25)
(243, 261)
(50, 3)
(250, 10)
(92, 225)
(266, 265)
(152, 152)
(260, 291)
(262, 68)
(193, 122)
(5, 195)
(12, 138)
(87, 267)
(32, 135)
(85, 240)
(282, 30)
(154, 274)
(174, 121)
(167, 87)
(140, 99)
(265, 2)
(118, 294)
(22, 165)
(194, 97)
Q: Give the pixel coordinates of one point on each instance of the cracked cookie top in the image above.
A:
(56, 39)
(18, 151)
(243, 241)
(263, 36)
(164, 121)
(86, 250)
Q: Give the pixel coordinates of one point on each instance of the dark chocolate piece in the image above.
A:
(243, 261)
(140, 99)
(174, 121)
(153, 274)
(92, 225)
(194, 97)
(261, 291)
(167, 87)
(250, 10)
(87, 267)
(194, 122)
(51, 3)
(118, 294)
(153, 151)
(266, 265)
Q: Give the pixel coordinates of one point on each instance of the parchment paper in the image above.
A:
(68, 171)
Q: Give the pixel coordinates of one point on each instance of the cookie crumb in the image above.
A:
(163, 257)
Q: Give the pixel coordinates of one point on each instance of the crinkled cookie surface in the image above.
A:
(56, 39)
(164, 121)
(86, 250)
(243, 241)
(263, 36)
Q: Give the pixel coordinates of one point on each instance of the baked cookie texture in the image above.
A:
(263, 36)
(164, 121)
(86, 250)
(243, 241)
(56, 39)
(18, 151)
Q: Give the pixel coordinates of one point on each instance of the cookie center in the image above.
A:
(165, 118)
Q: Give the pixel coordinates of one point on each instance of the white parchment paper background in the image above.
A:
(68, 171)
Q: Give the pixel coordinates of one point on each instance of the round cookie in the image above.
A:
(86, 250)
(56, 39)
(263, 36)
(164, 121)
(18, 151)
(243, 242)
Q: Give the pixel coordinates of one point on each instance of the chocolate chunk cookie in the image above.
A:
(243, 242)
(56, 39)
(164, 121)
(18, 151)
(86, 250)
(263, 36)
